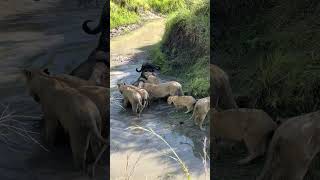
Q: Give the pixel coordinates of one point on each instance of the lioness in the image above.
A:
(131, 96)
(77, 114)
(99, 95)
(162, 90)
(182, 101)
(150, 77)
(220, 88)
(254, 127)
(144, 94)
(100, 75)
(73, 81)
(200, 111)
(294, 145)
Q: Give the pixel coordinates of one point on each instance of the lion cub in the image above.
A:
(182, 101)
(253, 126)
(200, 110)
(131, 96)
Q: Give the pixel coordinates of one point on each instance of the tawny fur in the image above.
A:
(294, 145)
(151, 78)
(220, 89)
(100, 75)
(77, 114)
(73, 81)
(254, 127)
(200, 111)
(182, 101)
(144, 94)
(99, 95)
(131, 96)
(162, 90)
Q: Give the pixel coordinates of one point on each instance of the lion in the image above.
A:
(162, 90)
(99, 95)
(72, 81)
(77, 114)
(144, 94)
(253, 126)
(100, 75)
(293, 147)
(182, 101)
(200, 111)
(221, 92)
(131, 96)
(150, 77)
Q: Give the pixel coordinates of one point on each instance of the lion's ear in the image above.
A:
(46, 71)
(27, 73)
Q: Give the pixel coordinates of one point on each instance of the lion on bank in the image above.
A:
(200, 111)
(220, 89)
(254, 127)
(131, 96)
(77, 114)
(182, 101)
(162, 90)
(294, 145)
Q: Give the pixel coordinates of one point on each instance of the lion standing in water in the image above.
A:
(162, 90)
(132, 97)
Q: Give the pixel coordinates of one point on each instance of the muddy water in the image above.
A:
(46, 33)
(136, 153)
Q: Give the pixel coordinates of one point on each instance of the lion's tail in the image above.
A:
(95, 132)
(193, 112)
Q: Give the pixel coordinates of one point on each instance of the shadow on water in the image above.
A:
(44, 37)
(175, 127)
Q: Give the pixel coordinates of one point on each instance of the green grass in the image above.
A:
(121, 16)
(184, 50)
(125, 12)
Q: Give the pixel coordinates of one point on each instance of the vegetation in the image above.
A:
(184, 49)
(124, 12)
(270, 49)
(121, 16)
